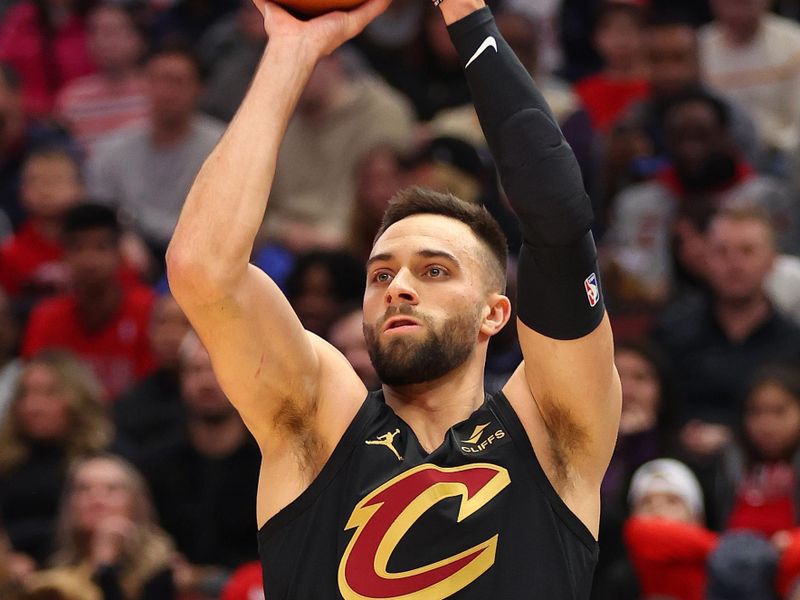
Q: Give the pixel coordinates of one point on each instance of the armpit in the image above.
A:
(569, 441)
(298, 423)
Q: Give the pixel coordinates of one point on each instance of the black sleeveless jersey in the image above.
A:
(475, 519)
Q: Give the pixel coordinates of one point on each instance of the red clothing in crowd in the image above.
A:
(119, 354)
(246, 583)
(669, 557)
(29, 261)
(29, 258)
(45, 65)
(606, 99)
(789, 566)
(765, 500)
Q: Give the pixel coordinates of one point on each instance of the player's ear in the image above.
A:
(496, 315)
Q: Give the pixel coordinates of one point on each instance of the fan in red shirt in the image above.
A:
(31, 261)
(619, 40)
(665, 538)
(101, 320)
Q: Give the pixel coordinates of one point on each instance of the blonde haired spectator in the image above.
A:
(55, 417)
(107, 529)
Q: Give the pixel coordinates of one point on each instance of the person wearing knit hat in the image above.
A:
(666, 541)
(666, 488)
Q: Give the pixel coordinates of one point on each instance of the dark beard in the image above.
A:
(405, 361)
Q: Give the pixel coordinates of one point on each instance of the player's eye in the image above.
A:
(381, 277)
(436, 272)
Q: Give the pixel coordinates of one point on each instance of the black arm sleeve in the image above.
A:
(559, 289)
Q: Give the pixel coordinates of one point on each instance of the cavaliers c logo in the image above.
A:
(385, 516)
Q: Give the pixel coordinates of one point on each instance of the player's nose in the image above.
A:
(401, 289)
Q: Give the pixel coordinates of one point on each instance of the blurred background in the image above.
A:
(125, 474)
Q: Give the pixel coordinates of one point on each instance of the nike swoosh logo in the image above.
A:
(489, 42)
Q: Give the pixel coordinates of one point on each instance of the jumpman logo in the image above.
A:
(387, 439)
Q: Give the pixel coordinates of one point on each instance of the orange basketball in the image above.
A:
(318, 7)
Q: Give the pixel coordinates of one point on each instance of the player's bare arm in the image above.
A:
(274, 372)
(567, 392)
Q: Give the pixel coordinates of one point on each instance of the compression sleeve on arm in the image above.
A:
(559, 288)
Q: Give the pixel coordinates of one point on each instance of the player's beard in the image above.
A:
(412, 359)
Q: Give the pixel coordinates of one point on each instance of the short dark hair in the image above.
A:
(699, 95)
(423, 201)
(87, 216)
(177, 46)
(609, 9)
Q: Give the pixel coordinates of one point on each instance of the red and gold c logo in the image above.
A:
(385, 516)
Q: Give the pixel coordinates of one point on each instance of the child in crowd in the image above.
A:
(757, 480)
(665, 537)
(619, 40)
(31, 261)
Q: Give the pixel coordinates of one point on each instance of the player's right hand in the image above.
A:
(320, 35)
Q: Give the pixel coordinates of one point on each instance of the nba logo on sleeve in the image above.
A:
(592, 290)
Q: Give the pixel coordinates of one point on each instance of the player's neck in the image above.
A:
(430, 409)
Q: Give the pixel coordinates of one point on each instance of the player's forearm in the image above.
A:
(225, 207)
(538, 168)
(541, 177)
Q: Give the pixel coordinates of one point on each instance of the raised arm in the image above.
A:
(268, 365)
(564, 332)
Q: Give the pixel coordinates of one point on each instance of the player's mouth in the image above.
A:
(397, 325)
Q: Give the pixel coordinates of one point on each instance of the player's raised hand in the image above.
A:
(323, 34)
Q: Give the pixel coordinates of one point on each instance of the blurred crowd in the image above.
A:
(125, 474)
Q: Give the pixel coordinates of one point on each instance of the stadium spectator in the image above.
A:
(151, 412)
(757, 485)
(647, 431)
(742, 567)
(188, 19)
(379, 176)
(339, 109)
(751, 55)
(45, 41)
(10, 364)
(231, 51)
(322, 284)
(204, 484)
(59, 584)
(147, 171)
(667, 542)
(55, 417)
(18, 137)
(107, 530)
(97, 105)
(704, 163)
(31, 262)
(673, 66)
(648, 416)
(100, 319)
(619, 39)
(717, 343)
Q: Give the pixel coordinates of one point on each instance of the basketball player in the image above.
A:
(429, 488)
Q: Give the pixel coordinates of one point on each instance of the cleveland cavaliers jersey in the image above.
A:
(476, 519)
